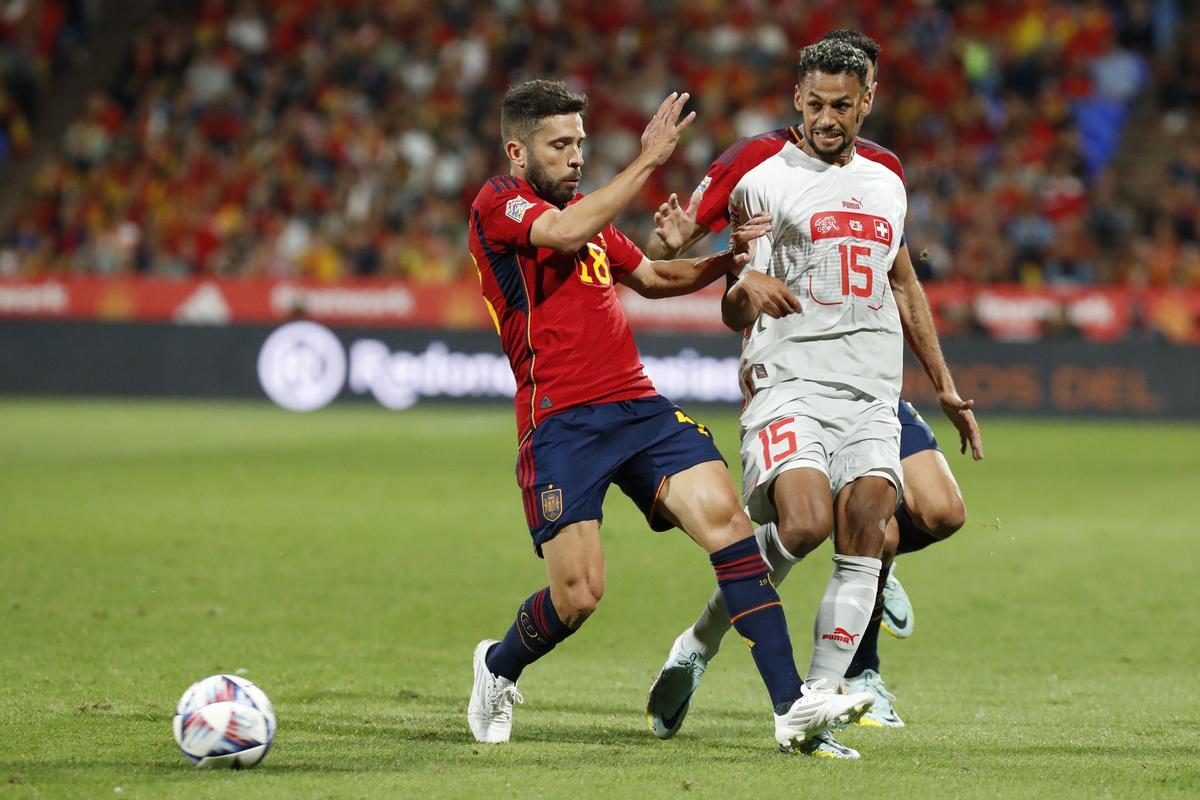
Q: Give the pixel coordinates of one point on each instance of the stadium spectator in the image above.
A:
(37, 39)
(333, 138)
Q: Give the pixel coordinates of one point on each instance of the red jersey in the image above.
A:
(746, 154)
(565, 333)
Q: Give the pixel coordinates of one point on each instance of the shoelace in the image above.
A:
(820, 685)
(501, 701)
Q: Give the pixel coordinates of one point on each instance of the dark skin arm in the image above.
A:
(753, 295)
(919, 332)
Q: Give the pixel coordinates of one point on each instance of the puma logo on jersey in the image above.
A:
(854, 203)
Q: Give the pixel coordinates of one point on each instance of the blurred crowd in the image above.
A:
(38, 39)
(1044, 142)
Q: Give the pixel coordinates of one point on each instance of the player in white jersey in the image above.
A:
(822, 385)
(932, 503)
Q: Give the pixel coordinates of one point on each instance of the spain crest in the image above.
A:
(552, 504)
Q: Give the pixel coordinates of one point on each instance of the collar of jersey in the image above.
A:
(813, 162)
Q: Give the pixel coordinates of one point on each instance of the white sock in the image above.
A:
(843, 615)
(710, 627)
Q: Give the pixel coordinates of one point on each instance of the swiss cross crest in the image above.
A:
(515, 209)
(552, 504)
(827, 223)
(883, 231)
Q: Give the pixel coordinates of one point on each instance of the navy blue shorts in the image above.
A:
(915, 435)
(565, 467)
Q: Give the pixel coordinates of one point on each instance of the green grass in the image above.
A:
(350, 559)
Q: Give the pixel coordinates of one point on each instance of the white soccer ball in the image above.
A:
(224, 721)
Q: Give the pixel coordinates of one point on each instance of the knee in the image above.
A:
(577, 601)
(727, 523)
(942, 516)
(863, 532)
(802, 531)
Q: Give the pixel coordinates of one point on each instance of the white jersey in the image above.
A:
(835, 233)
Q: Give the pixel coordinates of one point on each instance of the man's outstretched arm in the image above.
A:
(922, 338)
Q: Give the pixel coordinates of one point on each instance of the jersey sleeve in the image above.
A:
(713, 212)
(724, 173)
(507, 209)
(881, 155)
(746, 200)
(623, 255)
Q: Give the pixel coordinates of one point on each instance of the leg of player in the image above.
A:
(929, 486)
(808, 522)
(933, 509)
(933, 504)
(575, 563)
(702, 501)
(863, 508)
(863, 673)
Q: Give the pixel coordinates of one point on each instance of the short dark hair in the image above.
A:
(527, 104)
(833, 58)
(856, 39)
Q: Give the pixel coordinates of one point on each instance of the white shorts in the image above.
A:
(832, 428)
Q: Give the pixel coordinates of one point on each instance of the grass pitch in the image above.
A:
(349, 560)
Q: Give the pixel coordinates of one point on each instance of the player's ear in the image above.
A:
(515, 151)
(796, 98)
(869, 98)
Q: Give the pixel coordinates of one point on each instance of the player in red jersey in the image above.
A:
(587, 415)
(932, 506)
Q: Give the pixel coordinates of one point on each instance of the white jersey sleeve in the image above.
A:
(746, 200)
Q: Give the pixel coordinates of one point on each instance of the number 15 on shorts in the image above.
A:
(777, 442)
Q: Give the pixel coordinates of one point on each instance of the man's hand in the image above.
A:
(959, 412)
(673, 224)
(765, 294)
(662, 133)
(743, 236)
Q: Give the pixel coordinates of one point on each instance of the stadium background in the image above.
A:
(182, 181)
(219, 164)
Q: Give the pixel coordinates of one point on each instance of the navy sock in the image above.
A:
(757, 614)
(534, 633)
(867, 655)
(912, 538)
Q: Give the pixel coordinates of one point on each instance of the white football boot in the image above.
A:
(897, 610)
(671, 693)
(818, 710)
(490, 711)
(883, 713)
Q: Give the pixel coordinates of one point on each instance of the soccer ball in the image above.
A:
(224, 721)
